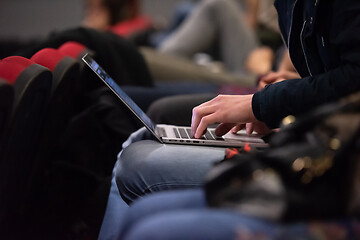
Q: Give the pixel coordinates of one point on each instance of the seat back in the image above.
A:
(32, 86)
(66, 177)
(63, 99)
(6, 102)
(76, 51)
(62, 104)
(65, 69)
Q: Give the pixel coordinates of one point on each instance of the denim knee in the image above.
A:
(149, 166)
(133, 173)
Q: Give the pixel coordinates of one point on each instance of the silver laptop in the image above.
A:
(174, 134)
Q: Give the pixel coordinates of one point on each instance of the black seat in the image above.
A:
(66, 72)
(6, 103)
(32, 85)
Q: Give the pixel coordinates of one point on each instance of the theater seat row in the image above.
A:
(35, 95)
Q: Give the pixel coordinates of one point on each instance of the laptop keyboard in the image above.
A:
(162, 132)
(185, 133)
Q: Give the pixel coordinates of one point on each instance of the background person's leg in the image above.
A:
(145, 96)
(210, 22)
(177, 110)
(236, 39)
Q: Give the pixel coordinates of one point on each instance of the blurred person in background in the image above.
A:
(233, 32)
(123, 17)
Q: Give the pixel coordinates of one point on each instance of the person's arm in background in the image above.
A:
(286, 64)
(285, 71)
(252, 12)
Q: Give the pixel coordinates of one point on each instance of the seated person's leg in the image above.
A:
(177, 110)
(185, 215)
(175, 200)
(114, 216)
(149, 166)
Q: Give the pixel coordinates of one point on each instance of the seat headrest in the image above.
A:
(72, 49)
(48, 57)
(11, 67)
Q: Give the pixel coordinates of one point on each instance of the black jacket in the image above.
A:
(118, 56)
(323, 38)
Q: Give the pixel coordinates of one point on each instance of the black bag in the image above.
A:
(310, 171)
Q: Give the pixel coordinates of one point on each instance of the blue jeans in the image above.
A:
(148, 166)
(114, 216)
(185, 215)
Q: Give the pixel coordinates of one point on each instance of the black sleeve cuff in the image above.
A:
(255, 104)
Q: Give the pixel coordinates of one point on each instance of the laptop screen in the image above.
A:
(119, 92)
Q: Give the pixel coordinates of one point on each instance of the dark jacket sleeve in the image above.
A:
(297, 96)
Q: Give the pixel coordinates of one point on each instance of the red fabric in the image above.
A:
(236, 90)
(48, 57)
(126, 28)
(231, 152)
(72, 49)
(12, 67)
(247, 147)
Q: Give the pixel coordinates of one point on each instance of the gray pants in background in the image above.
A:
(214, 21)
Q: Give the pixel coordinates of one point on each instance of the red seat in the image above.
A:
(65, 69)
(77, 50)
(12, 67)
(74, 49)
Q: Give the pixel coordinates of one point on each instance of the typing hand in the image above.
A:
(228, 110)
